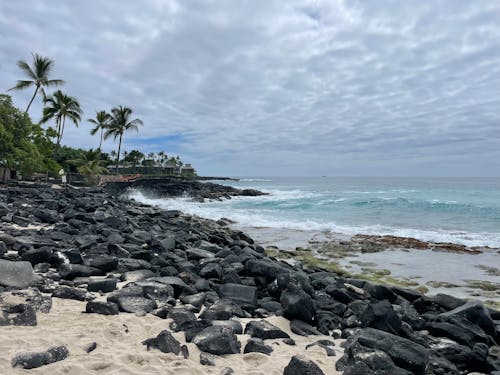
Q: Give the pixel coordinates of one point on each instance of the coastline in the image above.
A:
(190, 259)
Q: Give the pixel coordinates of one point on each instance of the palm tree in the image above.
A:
(120, 123)
(38, 74)
(89, 164)
(61, 106)
(101, 122)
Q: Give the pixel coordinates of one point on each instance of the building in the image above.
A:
(170, 168)
(187, 169)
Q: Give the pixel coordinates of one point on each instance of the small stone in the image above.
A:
(90, 347)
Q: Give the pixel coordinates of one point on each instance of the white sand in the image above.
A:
(121, 352)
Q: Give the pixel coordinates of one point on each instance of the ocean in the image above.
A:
(458, 210)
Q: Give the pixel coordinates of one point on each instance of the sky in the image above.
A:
(268, 88)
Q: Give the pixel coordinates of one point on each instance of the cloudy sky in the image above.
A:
(278, 87)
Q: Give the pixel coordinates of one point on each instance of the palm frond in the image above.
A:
(21, 85)
(24, 66)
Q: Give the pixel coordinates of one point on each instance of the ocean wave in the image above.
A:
(265, 218)
(254, 180)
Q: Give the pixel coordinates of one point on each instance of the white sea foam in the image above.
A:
(265, 218)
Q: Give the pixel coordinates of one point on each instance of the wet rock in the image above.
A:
(164, 342)
(256, 345)
(300, 365)
(217, 340)
(476, 313)
(100, 307)
(262, 329)
(16, 274)
(269, 270)
(31, 360)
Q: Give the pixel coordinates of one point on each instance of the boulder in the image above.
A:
(100, 307)
(302, 328)
(222, 310)
(67, 292)
(300, 365)
(476, 313)
(404, 353)
(256, 345)
(35, 256)
(262, 329)
(241, 294)
(381, 315)
(194, 253)
(135, 304)
(297, 304)
(211, 271)
(104, 263)
(327, 345)
(164, 342)
(70, 271)
(217, 340)
(31, 360)
(266, 268)
(16, 274)
(102, 285)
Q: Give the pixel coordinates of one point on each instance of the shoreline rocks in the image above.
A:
(122, 257)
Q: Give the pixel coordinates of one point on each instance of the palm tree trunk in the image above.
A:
(118, 156)
(32, 98)
(100, 143)
(62, 130)
(58, 121)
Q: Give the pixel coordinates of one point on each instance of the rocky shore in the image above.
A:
(171, 187)
(91, 282)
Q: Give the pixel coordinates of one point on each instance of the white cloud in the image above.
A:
(273, 87)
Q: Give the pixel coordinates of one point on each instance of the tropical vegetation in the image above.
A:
(38, 76)
(29, 148)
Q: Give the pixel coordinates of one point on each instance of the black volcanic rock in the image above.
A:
(31, 360)
(217, 340)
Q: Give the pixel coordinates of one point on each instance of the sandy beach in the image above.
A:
(119, 349)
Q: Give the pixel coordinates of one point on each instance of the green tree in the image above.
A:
(17, 133)
(59, 107)
(90, 164)
(120, 123)
(38, 74)
(134, 157)
(101, 122)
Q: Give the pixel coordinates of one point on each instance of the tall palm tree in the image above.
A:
(38, 74)
(101, 122)
(60, 107)
(120, 123)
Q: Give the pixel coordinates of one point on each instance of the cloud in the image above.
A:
(272, 87)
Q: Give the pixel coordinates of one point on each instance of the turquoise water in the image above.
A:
(465, 211)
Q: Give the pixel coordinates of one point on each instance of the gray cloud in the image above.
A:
(273, 87)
